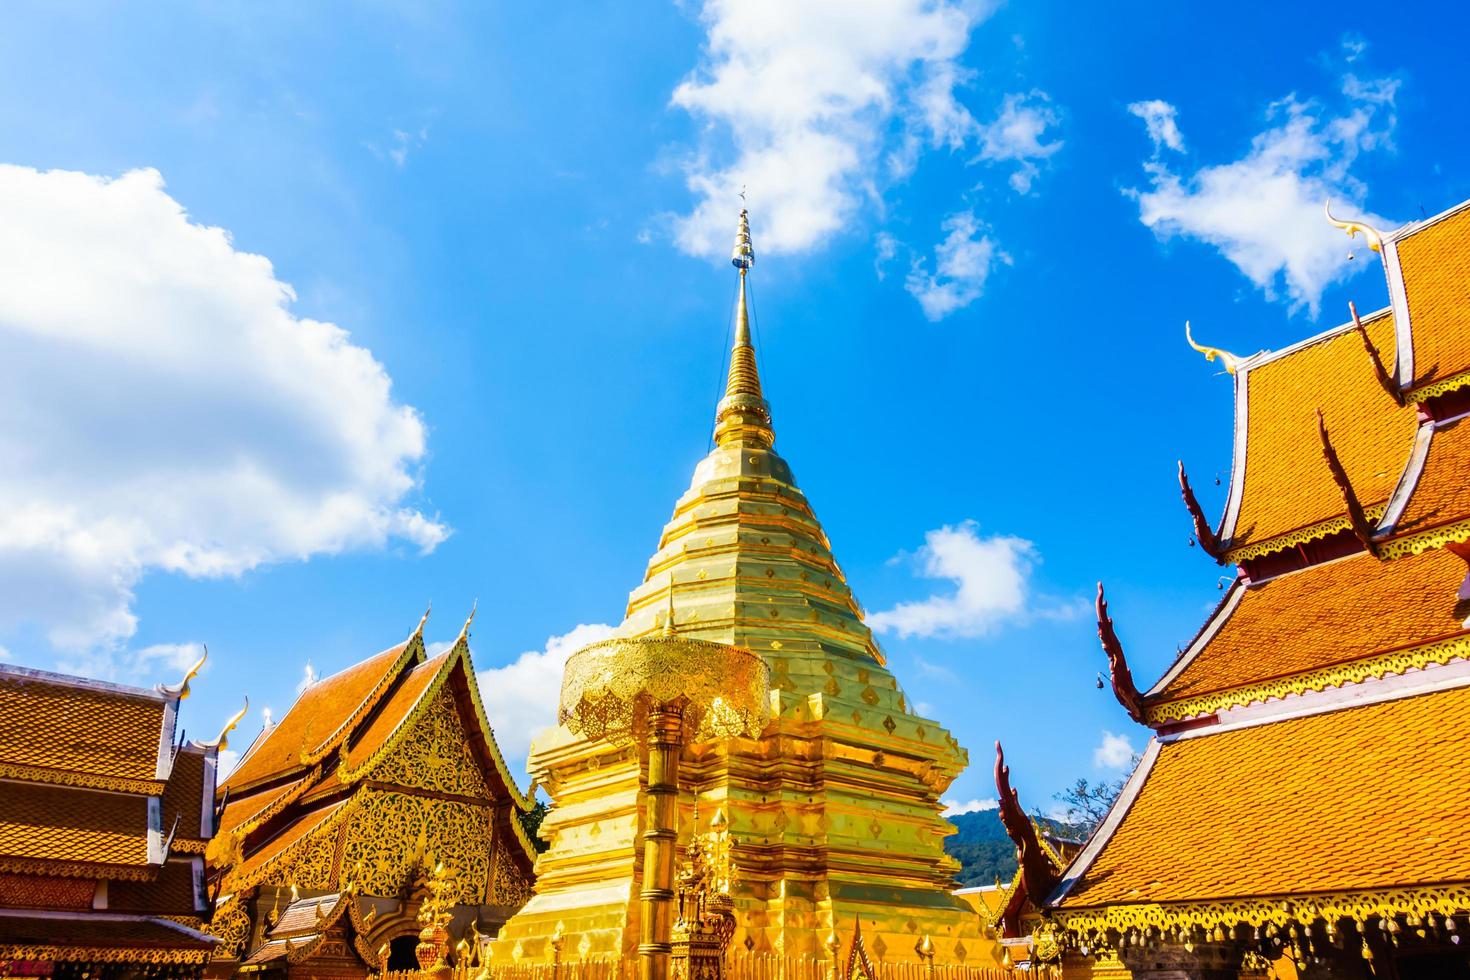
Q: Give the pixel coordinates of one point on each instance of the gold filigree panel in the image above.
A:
(1415, 544)
(1300, 536)
(382, 846)
(510, 886)
(231, 924)
(435, 755)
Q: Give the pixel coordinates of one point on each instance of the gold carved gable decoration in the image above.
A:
(434, 753)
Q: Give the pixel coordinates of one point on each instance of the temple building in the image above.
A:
(104, 819)
(834, 809)
(1303, 805)
(379, 793)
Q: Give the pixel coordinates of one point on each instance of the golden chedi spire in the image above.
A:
(743, 417)
(743, 561)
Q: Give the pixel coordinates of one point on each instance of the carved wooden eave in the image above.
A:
(1358, 520)
(1123, 687)
(1209, 542)
(1039, 874)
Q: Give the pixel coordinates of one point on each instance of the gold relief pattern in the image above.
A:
(1415, 544)
(231, 925)
(510, 887)
(1444, 386)
(1447, 900)
(1301, 535)
(1372, 668)
(435, 755)
(380, 843)
(103, 954)
(62, 777)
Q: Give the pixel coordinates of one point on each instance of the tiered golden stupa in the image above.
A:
(835, 807)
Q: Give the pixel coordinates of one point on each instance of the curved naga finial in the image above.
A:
(1123, 687)
(181, 689)
(1038, 873)
(1203, 533)
(1357, 517)
(1370, 235)
(1229, 360)
(221, 742)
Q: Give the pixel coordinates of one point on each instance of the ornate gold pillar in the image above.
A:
(665, 739)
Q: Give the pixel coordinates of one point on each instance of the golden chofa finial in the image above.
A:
(1228, 359)
(1370, 235)
(464, 631)
(669, 629)
(221, 742)
(181, 689)
(419, 629)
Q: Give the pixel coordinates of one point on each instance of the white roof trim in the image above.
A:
(1104, 833)
(85, 683)
(1398, 302)
(1222, 614)
(1427, 680)
(1403, 492)
(1237, 460)
(156, 853)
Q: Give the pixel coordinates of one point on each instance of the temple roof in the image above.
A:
(1434, 257)
(104, 937)
(1432, 505)
(1282, 491)
(65, 825)
(1368, 797)
(188, 800)
(288, 805)
(1326, 614)
(322, 716)
(63, 729)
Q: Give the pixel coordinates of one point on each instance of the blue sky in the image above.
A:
(979, 231)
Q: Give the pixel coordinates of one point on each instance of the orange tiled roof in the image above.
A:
(1357, 799)
(396, 709)
(242, 809)
(303, 825)
(1287, 485)
(1435, 261)
(79, 729)
(1442, 494)
(1326, 614)
(39, 822)
(171, 893)
(183, 797)
(317, 718)
(100, 930)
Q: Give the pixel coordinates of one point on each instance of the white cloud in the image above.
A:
(801, 101)
(164, 409)
(955, 808)
(228, 760)
(1114, 752)
(992, 585)
(1161, 119)
(521, 698)
(885, 247)
(1018, 135)
(1353, 46)
(309, 676)
(160, 663)
(962, 263)
(1263, 212)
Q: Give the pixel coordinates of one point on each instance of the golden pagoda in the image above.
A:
(835, 807)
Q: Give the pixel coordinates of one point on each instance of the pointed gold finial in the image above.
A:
(221, 741)
(419, 629)
(464, 631)
(181, 689)
(1370, 235)
(743, 414)
(669, 629)
(1228, 359)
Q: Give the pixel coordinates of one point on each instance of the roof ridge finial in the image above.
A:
(743, 413)
(669, 628)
